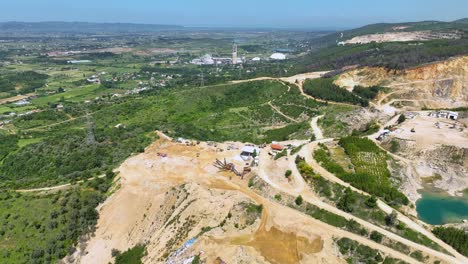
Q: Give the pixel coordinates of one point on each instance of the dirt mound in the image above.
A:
(437, 85)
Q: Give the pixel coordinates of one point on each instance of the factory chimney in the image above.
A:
(234, 53)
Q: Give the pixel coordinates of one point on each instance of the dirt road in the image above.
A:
(317, 131)
(276, 109)
(307, 154)
(57, 187)
(309, 197)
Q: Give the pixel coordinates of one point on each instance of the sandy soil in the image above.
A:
(427, 134)
(15, 98)
(150, 188)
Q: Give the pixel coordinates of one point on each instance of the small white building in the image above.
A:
(22, 102)
(452, 115)
(278, 56)
(445, 114)
(256, 59)
(249, 151)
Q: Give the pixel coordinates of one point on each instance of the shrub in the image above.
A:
(401, 119)
(278, 197)
(371, 202)
(288, 173)
(298, 200)
(391, 219)
(131, 256)
(376, 236)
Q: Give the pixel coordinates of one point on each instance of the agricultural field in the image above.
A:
(370, 174)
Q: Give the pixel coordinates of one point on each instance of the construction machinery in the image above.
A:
(224, 166)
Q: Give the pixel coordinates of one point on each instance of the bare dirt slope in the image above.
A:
(401, 37)
(165, 201)
(437, 85)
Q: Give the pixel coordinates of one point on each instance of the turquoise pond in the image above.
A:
(438, 208)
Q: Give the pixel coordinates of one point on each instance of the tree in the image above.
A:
(391, 219)
(346, 202)
(401, 119)
(313, 137)
(371, 202)
(110, 174)
(376, 236)
(298, 200)
(288, 173)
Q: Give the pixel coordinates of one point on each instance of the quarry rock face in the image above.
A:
(441, 85)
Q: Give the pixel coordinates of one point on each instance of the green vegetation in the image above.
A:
(368, 93)
(332, 124)
(299, 200)
(281, 154)
(21, 82)
(401, 119)
(196, 259)
(417, 255)
(131, 256)
(357, 253)
(457, 238)
(325, 89)
(370, 128)
(253, 208)
(8, 144)
(45, 228)
(370, 164)
(398, 55)
(394, 146)
(288, 173)
(295, 150)
(376, 236)
(88, 143)
(362, 206)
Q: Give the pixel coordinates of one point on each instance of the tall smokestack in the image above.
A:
(234, 53)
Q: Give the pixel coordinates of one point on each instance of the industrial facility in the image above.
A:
(208, 59)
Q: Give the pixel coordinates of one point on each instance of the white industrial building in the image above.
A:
(444, 114)
(278, 56)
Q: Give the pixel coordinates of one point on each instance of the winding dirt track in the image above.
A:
(301, 188)
(317, 131)
(312, 199)
(276, 109)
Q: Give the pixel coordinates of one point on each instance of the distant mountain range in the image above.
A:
(89, 27)
(82, 27)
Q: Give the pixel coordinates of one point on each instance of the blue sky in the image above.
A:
(243, 13)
